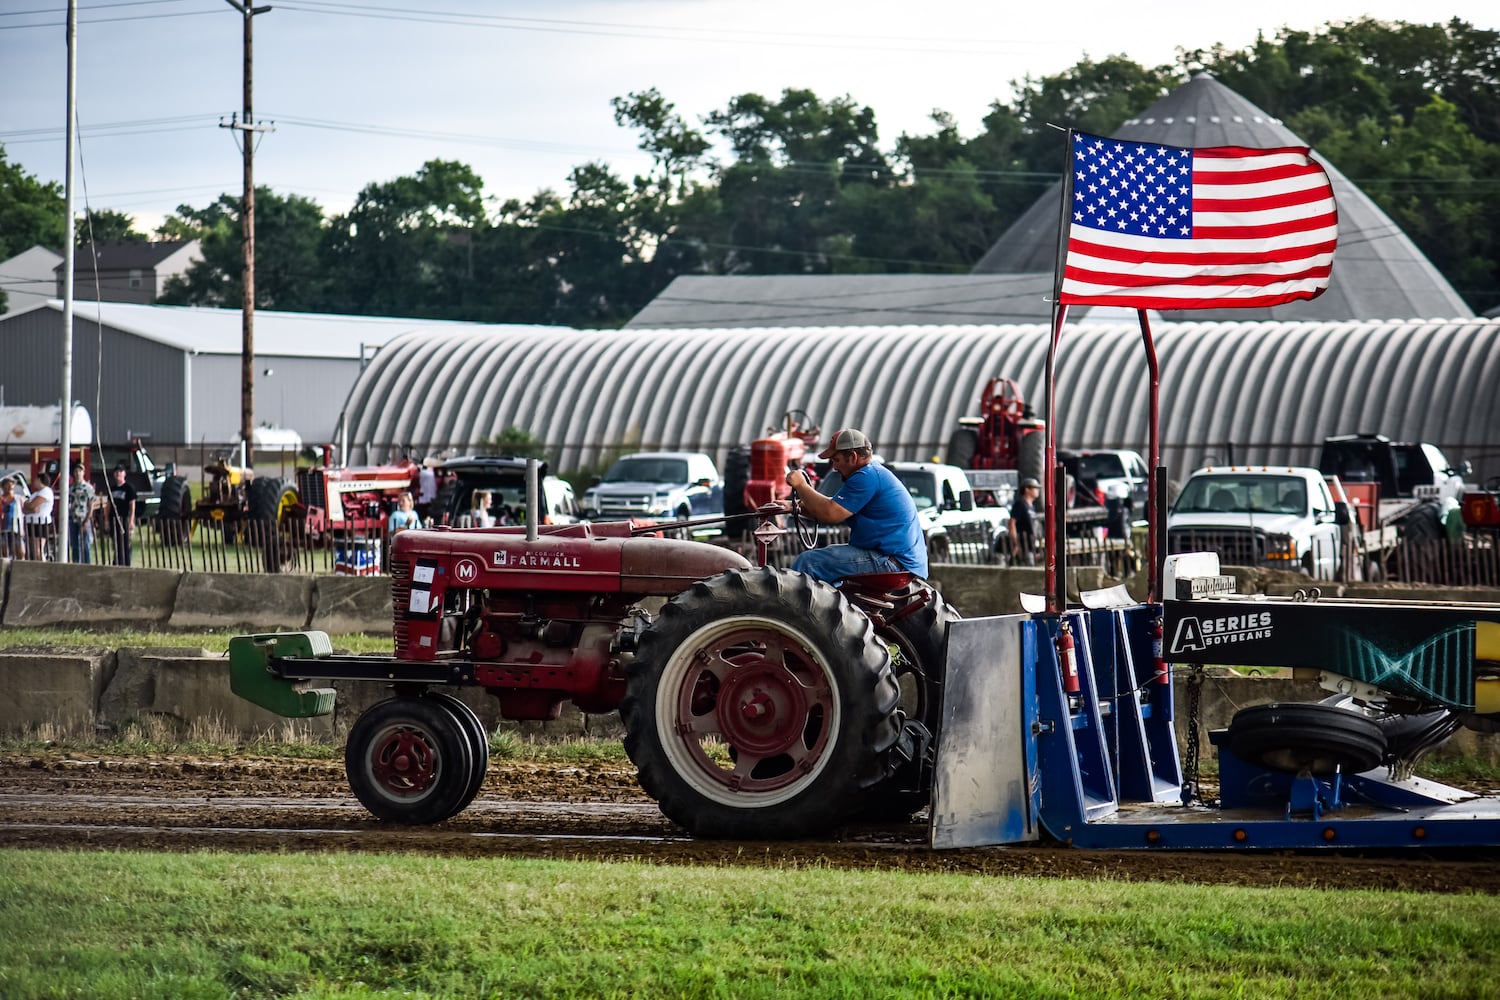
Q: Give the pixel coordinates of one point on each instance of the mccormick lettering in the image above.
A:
(535, 560)
(1200, 633)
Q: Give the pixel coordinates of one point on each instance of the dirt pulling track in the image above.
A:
(595, 812)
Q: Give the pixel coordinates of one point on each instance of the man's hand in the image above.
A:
(795, 477)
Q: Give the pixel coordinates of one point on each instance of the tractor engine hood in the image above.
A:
(578, 558)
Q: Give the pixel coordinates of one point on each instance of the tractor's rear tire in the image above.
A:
(268, 503)
(784, 674)
(963, 443)
(408, 760)
(1422, 525)
(1031, 458)
(917, 644)
(479, 745)
(1318, 738)
(736, 477)
(174, 515)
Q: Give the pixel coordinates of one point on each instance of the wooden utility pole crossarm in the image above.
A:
(247, 125)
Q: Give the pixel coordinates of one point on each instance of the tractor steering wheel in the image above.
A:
(1009, 403)
(804, 528)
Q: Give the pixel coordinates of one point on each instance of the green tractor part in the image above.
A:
(251, 677)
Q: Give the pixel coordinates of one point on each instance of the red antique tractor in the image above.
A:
(758, 703)
(771, 456)
(346, 506)
(1005, 435)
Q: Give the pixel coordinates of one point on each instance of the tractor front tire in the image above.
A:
(409, 760)
(760, 706)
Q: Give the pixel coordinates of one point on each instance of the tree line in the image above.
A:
(1409, 112)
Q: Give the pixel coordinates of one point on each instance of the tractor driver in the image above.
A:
(884, 534)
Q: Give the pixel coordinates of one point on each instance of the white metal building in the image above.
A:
(172, 373)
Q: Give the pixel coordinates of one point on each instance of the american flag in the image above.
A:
(1162, 227)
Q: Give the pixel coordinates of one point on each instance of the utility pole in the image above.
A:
(248, 126)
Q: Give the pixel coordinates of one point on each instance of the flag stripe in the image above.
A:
(1119, 279)
(1160, 226)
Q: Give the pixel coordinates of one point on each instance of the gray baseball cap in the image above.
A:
(845, 440)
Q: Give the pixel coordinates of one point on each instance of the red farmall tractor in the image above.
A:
(757, 703)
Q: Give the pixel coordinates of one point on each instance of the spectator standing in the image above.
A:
(38, 512)
(1023, 524)
(12, 522)
(427, 490)
(404, 516)
(81, 500)
(122, 497)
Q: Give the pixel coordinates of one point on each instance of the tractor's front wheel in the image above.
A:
(410, 760)
(760, 706)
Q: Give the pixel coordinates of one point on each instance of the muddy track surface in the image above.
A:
(57, 800)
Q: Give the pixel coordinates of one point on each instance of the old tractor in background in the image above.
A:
(758, 703)
(345, 507)
(755, 475)
(1005, 435)
(1005, 445)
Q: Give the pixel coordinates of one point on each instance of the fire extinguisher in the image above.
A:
(1156, 655)
(1067, 659)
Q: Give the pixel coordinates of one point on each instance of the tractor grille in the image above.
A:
(311, 487)
(400, 600)
(1235, 546)
(625, 503)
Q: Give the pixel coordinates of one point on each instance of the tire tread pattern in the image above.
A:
(868, 688)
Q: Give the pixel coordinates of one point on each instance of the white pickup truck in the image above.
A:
(1278, 516)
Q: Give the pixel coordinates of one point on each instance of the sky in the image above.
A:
(358, 93)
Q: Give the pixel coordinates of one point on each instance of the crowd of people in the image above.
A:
(28, 528)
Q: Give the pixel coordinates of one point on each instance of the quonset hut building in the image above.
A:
(714, 362)
(1251, 392)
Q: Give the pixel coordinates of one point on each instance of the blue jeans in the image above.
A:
(80, 542)
(834, 562)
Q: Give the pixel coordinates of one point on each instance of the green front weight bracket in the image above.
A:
(250, 674)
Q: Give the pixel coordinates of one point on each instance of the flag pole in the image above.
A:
(1054, 497)
(1154, 518)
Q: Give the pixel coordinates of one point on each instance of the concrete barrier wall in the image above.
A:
(63, 595)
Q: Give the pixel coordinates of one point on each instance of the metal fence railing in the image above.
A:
(239, 546)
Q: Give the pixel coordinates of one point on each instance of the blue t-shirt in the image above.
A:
(883, 517)
(401, 519)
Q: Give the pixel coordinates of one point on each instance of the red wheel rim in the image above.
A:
(764, 695)
(403, 761)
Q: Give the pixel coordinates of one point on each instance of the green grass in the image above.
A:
(116, 925)
(214, 642)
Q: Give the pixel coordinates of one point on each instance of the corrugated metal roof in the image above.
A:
(847, 300)
(118, 256)
(219, 331)
(1273, 390)
(1378, 273)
